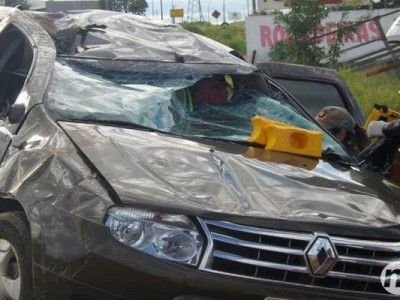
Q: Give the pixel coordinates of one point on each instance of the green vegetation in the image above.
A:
(232, 35)
(134, 6)
(303, 24)
(379, 89)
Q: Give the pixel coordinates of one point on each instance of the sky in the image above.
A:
(207, 5)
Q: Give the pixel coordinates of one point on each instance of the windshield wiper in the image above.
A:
(113, 123)
(238, 142)
(330, 155)
(145, 128)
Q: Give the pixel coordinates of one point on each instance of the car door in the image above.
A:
(16, 57)
(314, 87)
(315, 94)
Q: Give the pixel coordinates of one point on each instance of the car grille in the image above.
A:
(271, 255)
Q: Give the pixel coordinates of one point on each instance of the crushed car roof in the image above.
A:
(279, 69)
(122, 36)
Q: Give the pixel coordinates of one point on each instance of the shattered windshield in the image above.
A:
(179, 100)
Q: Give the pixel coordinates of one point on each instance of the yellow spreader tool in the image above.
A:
(277, 136)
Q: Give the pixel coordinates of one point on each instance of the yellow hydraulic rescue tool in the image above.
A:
(382, 113)
(282, 137)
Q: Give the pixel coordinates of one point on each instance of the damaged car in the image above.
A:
(127, 173)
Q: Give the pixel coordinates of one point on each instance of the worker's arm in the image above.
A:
(392, 129)
(383, 129)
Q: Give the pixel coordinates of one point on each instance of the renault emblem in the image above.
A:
(320, 255)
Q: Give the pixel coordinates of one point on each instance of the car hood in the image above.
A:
(160, 171)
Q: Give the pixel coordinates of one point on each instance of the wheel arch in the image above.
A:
(7, 205)
(11, 204)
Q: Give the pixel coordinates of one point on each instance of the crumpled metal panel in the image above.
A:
(121, 36)
(153, 170)
(277, 69)
(49, 171)
(45, 54)
(58, 189)
(5, 11)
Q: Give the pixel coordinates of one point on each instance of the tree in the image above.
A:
(133, 6)
(303, 25)
(138, 6)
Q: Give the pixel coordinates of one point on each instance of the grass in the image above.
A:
(379, 89)
(232, 35)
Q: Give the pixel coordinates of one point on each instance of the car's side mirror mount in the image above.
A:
(4, 130)
(15, 139)
(16, 113)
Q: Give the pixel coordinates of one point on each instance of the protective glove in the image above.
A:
(375, 129)
(392, 130)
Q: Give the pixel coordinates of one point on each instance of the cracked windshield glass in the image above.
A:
(171, 98)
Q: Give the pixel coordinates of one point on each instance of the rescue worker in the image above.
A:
(384, 155)
(216, 90)
(343, 127)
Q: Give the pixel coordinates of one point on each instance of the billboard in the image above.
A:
(262, 33)
(267, 5)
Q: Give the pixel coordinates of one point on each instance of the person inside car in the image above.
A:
(217, 90)
(344, 128)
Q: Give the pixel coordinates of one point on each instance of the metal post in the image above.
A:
(172, 6)
(224, 12)
(162, 12)
(209, 3)
(152, 7)
(194, 9)
(248, 7)
(188, 12)
(254, 7)
(383, 36)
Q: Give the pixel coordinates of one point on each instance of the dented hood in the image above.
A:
(175, 174)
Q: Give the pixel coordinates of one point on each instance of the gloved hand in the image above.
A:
(375, 129)
(392, 130)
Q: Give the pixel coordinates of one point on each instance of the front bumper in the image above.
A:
(96, 266)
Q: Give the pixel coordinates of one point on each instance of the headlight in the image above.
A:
(168, 236)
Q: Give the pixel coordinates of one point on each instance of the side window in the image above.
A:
(16, 58)
(314, 96)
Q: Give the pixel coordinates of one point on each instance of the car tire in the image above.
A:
(15, 257)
